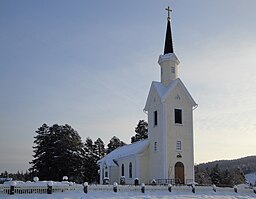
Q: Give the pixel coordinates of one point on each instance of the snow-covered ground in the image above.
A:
(251, 178)
(223, 194)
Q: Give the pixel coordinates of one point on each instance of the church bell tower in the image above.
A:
(168, 61)
(170, 121)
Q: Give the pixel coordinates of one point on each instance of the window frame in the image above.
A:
(173, 69)
(155, 118)
(106, 174)
(130, 170)
(178, 120)
(122, 170)
(178, 145)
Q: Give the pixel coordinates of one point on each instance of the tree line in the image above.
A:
(247, 164)
(214, 175)
(19, 175)
(59, 151)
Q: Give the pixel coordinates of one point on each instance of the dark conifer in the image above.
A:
(141, 131)
(114, 143)
(58, 152)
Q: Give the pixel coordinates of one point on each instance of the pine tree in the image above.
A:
(226, 178)
(41, 152)
(99, 148)
(202, 176)
(215, 175)
(238, 176)
(141, 131)
(58, 152)
(91, 167)
(114, 143)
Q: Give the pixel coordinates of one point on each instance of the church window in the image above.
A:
(122, 170)
(155, 146)
(106, 174)
(155, 118)
(178, 116)
(178, 145)
(130, 170)
(173, 69)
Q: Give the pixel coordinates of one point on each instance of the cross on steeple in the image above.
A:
(168, 10)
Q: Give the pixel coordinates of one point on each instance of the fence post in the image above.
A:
(12, 186)
(235, 189)
(214, 187)
(142, 188)
(115, 187)
(65, 178)
(85, 187)
(193, 188)
(170, 187)
(136, 181)
(49, 187)
(35, 179)
(153, 182)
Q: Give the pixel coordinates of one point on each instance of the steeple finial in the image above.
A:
(168, 48)
(168, 10)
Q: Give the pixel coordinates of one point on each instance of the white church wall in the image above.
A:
(156, 155)
(113, 174)
(142, 161)
(180, 132)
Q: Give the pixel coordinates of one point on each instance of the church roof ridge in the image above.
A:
(124, 151)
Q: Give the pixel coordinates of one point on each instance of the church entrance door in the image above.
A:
(179, 173)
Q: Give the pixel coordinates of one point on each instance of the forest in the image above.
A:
(59, 151)
(225, 172)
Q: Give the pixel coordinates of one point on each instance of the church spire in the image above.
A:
(168, 48)
(168, 61)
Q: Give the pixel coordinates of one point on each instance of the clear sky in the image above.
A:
(90, 64)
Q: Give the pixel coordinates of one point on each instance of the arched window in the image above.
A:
(122, 170)
(130, 170)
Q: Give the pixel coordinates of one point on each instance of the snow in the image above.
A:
(38, 183)
(160, 88)
(151, 192)
(124, 151)
(251, 178)
(223, 194)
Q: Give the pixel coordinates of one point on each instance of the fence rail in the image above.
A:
(6, 189)
(176, 181)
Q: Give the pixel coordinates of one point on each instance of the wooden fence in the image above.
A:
(30, 189)
(6, 189)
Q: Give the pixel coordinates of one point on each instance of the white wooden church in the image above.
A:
(167, 156)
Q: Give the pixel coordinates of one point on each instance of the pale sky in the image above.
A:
(90, 64)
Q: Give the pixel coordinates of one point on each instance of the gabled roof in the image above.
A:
(131, 149)
(164, 92)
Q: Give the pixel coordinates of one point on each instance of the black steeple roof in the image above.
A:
(168, 48)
